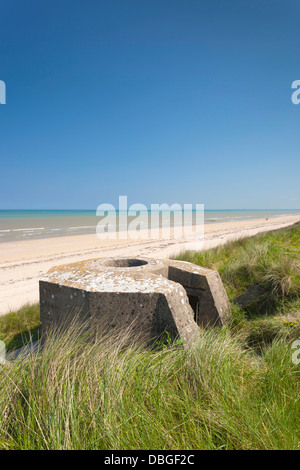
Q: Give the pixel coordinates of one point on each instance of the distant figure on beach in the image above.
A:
(267, 218)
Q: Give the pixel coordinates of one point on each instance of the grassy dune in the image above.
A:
(237, 388)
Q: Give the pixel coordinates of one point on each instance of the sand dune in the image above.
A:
(22, 263)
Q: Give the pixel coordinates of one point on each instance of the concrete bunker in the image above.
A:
(154, 295)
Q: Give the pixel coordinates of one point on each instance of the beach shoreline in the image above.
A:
(23, 262)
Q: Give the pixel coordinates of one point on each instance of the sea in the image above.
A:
(35, 224)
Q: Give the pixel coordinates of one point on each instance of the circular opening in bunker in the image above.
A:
(125, 263)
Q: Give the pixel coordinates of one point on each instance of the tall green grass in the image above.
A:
(103, 395)
(271, 261)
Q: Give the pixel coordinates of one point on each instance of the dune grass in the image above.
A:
(20, 327)
(270, 261)
(213, 395)
(236, 388)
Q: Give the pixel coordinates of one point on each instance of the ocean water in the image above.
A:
(33, 224)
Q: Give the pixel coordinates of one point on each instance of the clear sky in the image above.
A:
(165, 101)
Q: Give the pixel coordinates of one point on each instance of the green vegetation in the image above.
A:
(270, 262)
(20, 327)
(237, 388)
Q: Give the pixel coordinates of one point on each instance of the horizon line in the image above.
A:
(94, 210)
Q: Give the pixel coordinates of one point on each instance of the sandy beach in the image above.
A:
(24, 262)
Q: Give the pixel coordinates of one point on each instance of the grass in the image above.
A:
(270, 261)
(215, 395)
(236, 388)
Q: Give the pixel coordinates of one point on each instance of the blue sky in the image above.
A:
(163, 101)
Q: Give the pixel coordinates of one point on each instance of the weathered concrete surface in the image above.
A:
(146, 295)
